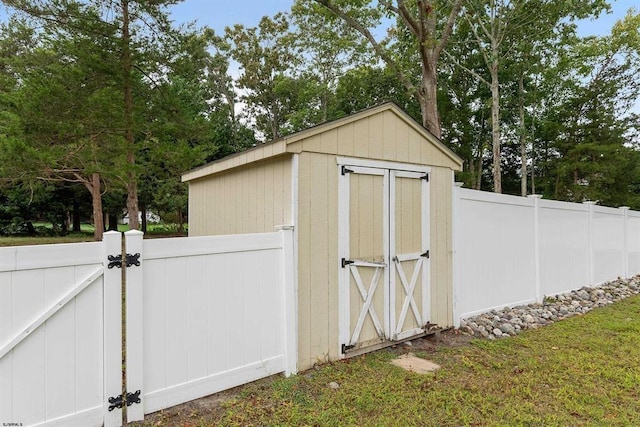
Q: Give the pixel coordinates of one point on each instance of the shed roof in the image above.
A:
(287, 144)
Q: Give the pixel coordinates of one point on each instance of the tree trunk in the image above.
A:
(533, 171)
(96, 197)
(478, 183)
(523, 139)
(495, 127)
(76, 216)
(132, 184)
(143, 210)
(113, 222)
(428, 98)
(180, 220)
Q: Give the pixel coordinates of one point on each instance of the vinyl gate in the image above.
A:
(202, 315)
(384, 235)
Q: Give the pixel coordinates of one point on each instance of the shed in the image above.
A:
(370, 197)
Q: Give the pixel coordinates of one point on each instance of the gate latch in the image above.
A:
(425, 255)
(116, 260)
(119, 401)
(346, 262)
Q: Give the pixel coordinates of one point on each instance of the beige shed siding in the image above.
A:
(442, 247)
(379, 137)
(317, 259)
(251, 199)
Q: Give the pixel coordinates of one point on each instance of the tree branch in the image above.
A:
(468, 70)
(374, 43)
(448, 28)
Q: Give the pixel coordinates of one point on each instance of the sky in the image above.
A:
(219, 14)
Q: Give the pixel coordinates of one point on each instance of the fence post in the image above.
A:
(536, 244)
(134, 324)
(290, 299)
(590, 261)
(456, 268)
(625, 240)
(112, 328)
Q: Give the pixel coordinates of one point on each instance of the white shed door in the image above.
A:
(384, 255)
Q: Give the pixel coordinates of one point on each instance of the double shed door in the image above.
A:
(384, 256)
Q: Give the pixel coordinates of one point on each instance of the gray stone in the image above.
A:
(510, 321)
(507, 328)
(334, 385)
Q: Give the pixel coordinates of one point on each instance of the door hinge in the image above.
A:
(426, 254)
(346, 262)
(345, 170)
(425, 177)
(116, 260)
(119, 401)
(346, 347)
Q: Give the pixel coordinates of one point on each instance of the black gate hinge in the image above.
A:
(346, 262)
(345, 170)
(425, 177)
(119, 402)
(346, 347)
(426, 254)
(116, 260)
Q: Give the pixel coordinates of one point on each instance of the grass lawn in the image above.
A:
(153, 230)
(583, 371)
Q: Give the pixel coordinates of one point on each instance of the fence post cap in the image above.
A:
(534, 196)
(133, 233)
(624, 208)
(458, 184)
(589, 202)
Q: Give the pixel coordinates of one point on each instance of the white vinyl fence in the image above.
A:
(202, 315)
(59, 355)
(513, 250)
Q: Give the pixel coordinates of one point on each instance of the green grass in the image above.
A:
(153, 230)
(29, 240)
(583, 371)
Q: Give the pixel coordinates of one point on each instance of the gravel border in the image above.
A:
(512, 321)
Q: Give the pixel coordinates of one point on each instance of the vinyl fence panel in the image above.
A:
(494, 251)
(633, 242)
(213, 315)
(564, 246)
(608, 243)
(51, 335)
(511, 250)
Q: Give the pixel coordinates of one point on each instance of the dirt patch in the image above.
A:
(409, 362)
(431, 343)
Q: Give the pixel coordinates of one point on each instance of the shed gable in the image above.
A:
(385, 135)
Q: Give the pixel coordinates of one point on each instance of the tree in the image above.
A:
(135, 37)
(590, 135)
(366, 86)
(330, 48)
(266, 57)
(430, 23)
(63, 108)
(503, 30)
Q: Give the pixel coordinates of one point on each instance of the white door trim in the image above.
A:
(382, 164)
